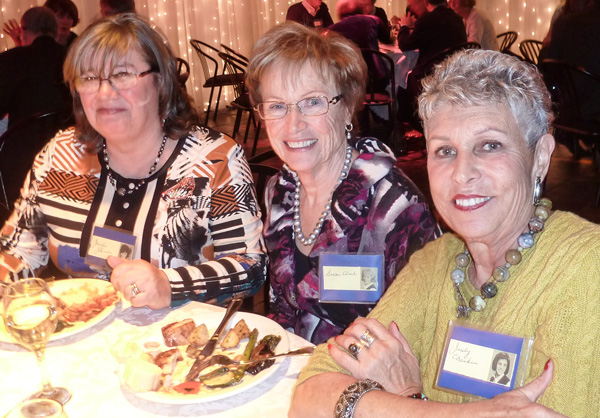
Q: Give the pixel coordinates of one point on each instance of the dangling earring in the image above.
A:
(537, 191)
(348, 128)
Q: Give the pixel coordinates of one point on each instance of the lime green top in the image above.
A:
(553, 295)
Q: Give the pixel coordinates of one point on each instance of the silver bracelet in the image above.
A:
(346, 404)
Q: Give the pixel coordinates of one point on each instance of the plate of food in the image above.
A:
(156, 366)
(81, 304)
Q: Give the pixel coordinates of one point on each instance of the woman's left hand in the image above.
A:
(154, 289)
(389, 360)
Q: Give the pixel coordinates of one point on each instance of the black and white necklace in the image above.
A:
(297, 228)
(122, 191)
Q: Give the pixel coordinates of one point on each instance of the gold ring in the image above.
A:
(367, 338)
(134, 290)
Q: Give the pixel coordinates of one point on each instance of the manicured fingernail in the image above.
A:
(396, 325)
(329, 346)
(547, 364)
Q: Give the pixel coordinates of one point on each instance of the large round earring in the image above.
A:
(348, 128)
(537, 191)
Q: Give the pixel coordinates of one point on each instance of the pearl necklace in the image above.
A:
(501, 273)
(297, 229)
(121, 191)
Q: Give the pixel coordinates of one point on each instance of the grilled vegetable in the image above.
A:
(238, 374)
(265, 348)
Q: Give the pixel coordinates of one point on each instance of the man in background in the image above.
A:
(115, 7)
(311, 13)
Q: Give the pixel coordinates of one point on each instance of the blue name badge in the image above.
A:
(109, 241)
(480, 363)
(351, 278)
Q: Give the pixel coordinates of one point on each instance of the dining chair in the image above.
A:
(235, 67)
(18, 147)
(506, 40)
(530, 49)
(380, 91)
(212, 79)
(236, 54)
(572, 89)
(183, 71)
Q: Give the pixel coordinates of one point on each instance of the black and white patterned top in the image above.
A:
(196, 218)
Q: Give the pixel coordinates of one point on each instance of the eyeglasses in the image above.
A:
(121, 81)
(312, 106)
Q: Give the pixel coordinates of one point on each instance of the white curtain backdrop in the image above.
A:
(239, 23)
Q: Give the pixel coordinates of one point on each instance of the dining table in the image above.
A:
(83, 363)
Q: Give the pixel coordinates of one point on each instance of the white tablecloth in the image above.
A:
(83, 364)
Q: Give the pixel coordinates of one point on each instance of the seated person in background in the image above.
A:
(67, 16)
(114, 7)
(415, 9)
(335, 193)
(380, 13)
(363, 29)
(512, 266)
(137, 162)
(31, 80)
(565, 8)
(311, 13)
(479, 27)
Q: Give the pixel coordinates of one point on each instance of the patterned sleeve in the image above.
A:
(239, 261)
(24, 237)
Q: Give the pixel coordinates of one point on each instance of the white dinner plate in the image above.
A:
(57, 288)
(265, 327)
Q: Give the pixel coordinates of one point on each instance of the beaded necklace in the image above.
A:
(297, 229)
(122, 191)
(501, 273)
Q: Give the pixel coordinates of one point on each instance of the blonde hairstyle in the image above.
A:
(332, 56)
(482, 77)
(104, 43)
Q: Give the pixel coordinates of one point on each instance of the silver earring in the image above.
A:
(348, 128)
(537, 191)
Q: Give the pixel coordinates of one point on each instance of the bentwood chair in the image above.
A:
(506, 40)
(530, 49)
(380, 91)
(573, 89)
(183, 71)
(236, 68)
(236, 54)
(212, 78)
(18, 147)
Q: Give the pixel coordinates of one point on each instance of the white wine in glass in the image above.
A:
(30, 318)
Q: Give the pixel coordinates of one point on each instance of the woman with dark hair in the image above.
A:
(501, 367)
(137, 162)
(67, 16)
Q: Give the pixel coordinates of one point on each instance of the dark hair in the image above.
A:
(437, 2)
(120, 6)
(104, 43)
(40, 21)
(64, 6)
(333, 57)
(125, 248)
(501, 356)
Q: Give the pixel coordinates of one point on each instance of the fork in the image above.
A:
(222, 360)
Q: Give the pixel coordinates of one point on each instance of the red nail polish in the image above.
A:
(329, 346)
(547, 364)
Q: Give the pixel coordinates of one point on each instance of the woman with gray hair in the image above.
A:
(137, 170)
(512, 268)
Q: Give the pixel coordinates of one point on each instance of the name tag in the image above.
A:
(108, 241)
(481, 363)
(354, 278)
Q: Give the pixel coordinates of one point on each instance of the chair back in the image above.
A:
(19, 146)
(530, 49)
(381, 75)
(236, 54)
(506, 40)
(206, 60)
(183, 71)
(235, 67)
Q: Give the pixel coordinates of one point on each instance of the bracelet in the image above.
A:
(419, 395)
(346, 404)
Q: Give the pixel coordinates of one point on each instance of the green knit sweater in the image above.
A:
(552, 295)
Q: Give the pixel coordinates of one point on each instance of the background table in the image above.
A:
(83, 364)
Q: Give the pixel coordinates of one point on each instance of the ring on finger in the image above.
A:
(356, 348)
(367, 338)
(134, 290)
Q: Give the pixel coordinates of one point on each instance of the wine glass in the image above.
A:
(30, 318)
(37, 408)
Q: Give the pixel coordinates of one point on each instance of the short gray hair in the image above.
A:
(482, 77)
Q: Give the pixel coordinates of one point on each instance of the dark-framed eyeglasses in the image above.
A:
(122, 80)
(312, 106)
